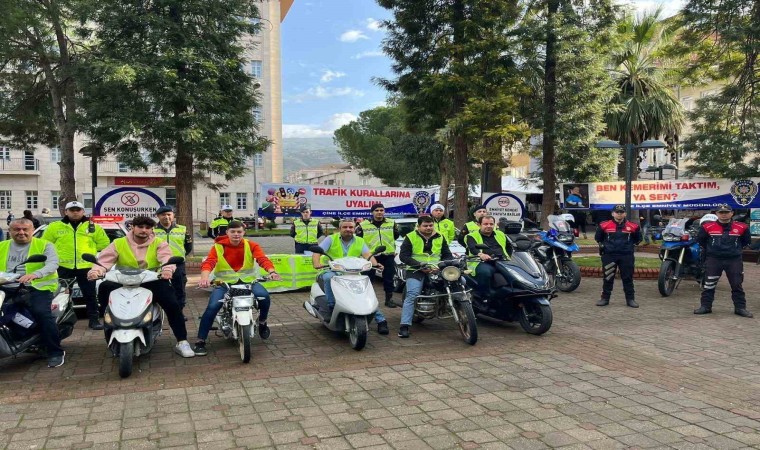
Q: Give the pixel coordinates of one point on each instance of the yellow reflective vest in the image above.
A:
(71, 244)
(175, 238)
(36, 247)
(224, 272)
(446, 228)
(375, 237)
(306, 233)
(127, 259)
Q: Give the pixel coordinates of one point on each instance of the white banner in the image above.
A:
(128, 202)
(509, 206)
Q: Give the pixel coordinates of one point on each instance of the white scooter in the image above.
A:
(14, 337)
(235, 319)
(355, 299)
(132, 322)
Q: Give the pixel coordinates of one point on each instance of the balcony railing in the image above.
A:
(20, 165)
(109, 167)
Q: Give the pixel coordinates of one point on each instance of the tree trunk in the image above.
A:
(183, 167)
(461, 167)
(68, 183)
(550, 114)
(443, 193)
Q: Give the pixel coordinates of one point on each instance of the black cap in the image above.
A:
(723, 207)
(375, 206)
(164, 209)
(477, 207)
(618, 208)
(304, 208)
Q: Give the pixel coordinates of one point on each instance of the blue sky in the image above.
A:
(331, 50)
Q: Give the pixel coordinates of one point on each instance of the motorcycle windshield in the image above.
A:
(559, 224)
(675, 228)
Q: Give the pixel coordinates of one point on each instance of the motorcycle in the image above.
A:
(355, 299)
(556, 253)
(17, 332)
(235, 319)
(523, 295)
(681, 256)
(132, 321)
(444, 294)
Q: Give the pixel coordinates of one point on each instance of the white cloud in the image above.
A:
(311, 131)
(352, 36)
(374, 24)
(323, 92)
(328, 75)
(669, 8)
(368, 54)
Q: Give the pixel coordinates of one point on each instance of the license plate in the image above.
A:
(76, 292)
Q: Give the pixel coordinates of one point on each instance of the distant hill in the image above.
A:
(300, 153)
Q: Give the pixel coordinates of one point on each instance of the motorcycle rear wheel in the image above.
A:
(666, 281)
(244, 340)
(571, 276)
(536, 318)
(126, 355)
(467, 324)
(357, 332)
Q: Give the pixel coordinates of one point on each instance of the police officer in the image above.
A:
(73, 236)
(306, 231)
(473, 225)
(723, 242)
(180, 242)
(382, 231)
(445, 227)
(218, 226)
(616, 239)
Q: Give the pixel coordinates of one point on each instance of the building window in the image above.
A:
(256, 22)
(29, 162)
(258, 159)
(87, 200)
(258, 116)
(5, 199)
(31, 200)
(257, 68)
(242, 200)
(688, 103)
(171, 197)
(122, 167)
(54, 197)
(5, 153)
(224, 199)
(55, 154)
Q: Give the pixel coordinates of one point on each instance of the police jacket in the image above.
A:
(618, 238)
(724, 240)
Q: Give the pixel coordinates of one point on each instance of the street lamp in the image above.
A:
(659, 169)
(629, 148)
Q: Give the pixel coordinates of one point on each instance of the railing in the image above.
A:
(115, 167)
(19, 164)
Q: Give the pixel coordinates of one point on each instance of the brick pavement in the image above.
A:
(613, 377)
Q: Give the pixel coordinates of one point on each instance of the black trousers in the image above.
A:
(301, 248)
(734, 269)
(610, 266)
(163, 294)
(39, 306)
(86, 286)
(179, 281)
(484, 273)
(389, 269)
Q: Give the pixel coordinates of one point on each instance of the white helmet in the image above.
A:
(708, 218)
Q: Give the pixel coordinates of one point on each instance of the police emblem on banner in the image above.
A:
(421, 201)
(743, 191)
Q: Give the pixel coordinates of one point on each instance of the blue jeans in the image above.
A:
(413, 289)
(326, 277)
(215, 305)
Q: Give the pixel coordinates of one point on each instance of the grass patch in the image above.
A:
(596, 261)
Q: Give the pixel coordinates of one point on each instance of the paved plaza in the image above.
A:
(613, 377)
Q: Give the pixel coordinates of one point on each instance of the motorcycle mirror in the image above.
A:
(31, 259)
(89, 257)
(174, 260)
(316, 249)
(379, 250)
(481, 246)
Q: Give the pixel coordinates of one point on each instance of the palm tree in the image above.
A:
(644, 106)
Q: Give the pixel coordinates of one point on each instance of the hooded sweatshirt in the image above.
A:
(234, 255)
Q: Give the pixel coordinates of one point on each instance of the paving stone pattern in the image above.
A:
(612, 377)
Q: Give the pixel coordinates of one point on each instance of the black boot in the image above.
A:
(389, 300)
(703, 310)
(743, 312)
(632, 303)
(603, 302)
(95, 324)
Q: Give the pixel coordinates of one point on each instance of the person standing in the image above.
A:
(181, 243)
(616, 239)
(73, 236)
(306, 231)
(29, 216)
(382, 231)
(445, 227)
(723, 242)
(219, 225)
(11, 217)
(473, 225)
(575, 201)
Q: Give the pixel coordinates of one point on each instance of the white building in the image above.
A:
(333, 174)
(31, 179)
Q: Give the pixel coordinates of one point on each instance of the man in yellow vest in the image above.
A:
(40, 278)
(445, 227)
(233, 259)
(306, 231)
(218, 226)
(421, 246)
(497, 248)
(73, 236)
(382, 231)
(342, 245)
(181, 243)
(140, 249)
(473, 225)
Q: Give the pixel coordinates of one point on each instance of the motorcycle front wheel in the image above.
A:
(244, 340)
(357, 332)
(536, 318)
(467, 325)
(126, 354)
(666, 281)
(570, 277)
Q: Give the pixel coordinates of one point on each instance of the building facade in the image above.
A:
(333, 174)
(31, 179)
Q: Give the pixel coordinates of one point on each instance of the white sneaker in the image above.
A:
(183, 348)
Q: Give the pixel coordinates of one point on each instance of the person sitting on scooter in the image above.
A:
(140, 249)
(422, 246)
(340, 246)
(497, 249)
(41, 278)
(233, 259)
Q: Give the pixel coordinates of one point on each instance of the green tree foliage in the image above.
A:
(169, 87)
(377, 142)
(38, 87)
(723, 41)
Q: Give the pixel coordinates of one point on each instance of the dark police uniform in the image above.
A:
(723, 244)
(616, 245)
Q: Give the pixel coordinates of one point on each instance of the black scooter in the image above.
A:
(523, 294)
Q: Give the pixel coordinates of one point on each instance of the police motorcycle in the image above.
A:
(523, 295)
(556, 252)
(445, 295)
(18, 331)
(235, 319)
(355, 299)
(680, 254)
(132, 321)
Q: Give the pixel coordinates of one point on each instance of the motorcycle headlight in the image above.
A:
(451, 273)
(355, 286)
(148, 316)
(107, 318)
(671, 237)
(242, 302)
